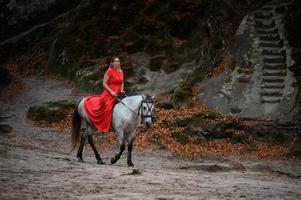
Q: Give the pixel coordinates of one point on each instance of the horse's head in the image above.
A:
(147, 106)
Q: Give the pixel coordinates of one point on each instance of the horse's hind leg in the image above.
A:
(131, 139)
(91, 142)
(121, 148)
(81, 147)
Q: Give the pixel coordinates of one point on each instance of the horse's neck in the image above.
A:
(133, 102)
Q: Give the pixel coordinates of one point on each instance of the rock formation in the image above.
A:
(261, 84)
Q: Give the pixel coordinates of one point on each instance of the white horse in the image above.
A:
(127, 115)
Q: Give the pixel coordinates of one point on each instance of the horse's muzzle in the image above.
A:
(148, 124)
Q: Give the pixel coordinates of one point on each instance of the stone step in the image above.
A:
(274, 80)
(274, 37)
(268, 34)
(273, 59)
(274, 71)
(279, 87)
(271, 94)
(280, 9)
(279, 2)
(281, 74)
(264, 25)
(271, 90)
(276, 49)
(274, 67)
(267, 31)
(270, 44)
(260, 15)
(270, 101)
(244, 79)
(274, 52)
(266, 9)
(245, 70)
(264, 20)
(275, 5)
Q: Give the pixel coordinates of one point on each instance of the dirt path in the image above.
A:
(35, 163)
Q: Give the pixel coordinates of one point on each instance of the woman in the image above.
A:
(100, 108)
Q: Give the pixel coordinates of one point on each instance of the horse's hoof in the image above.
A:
(130, 164)
(100, 162)
(113, 160)
(81, 160)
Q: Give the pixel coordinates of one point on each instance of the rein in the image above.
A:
(148, 114)
(127, 106)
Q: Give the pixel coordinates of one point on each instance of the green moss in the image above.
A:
(64, 104)
(180, 137)
(167, 106)
(183, 93)
(89, 79)
(4, 153)
(135, 172)
(228, 80)
(50, 112)
(171, 67)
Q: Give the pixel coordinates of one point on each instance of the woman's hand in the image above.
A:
(113, 94)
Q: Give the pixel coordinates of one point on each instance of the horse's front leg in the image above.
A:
(121, 148)
(131, 139)
(90, 139)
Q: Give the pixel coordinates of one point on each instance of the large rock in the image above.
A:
(18, 16)
(50, 112)
(261, 84)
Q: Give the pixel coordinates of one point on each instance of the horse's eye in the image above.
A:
(144, 108)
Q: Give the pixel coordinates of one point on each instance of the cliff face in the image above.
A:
(161, 43)
(19, 16)
(165, 47)
(261, 84)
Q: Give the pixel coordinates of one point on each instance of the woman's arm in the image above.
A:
(105, 84)
(122, 87)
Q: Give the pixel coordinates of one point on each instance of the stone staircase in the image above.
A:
(269, 30)
(261, 84)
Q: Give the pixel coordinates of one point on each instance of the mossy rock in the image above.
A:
(142, 80)
(208, 115)
(270, 134)
(50, 112)
(64, 56)
(183, 93)
(295, 149)
(180, 137)
(155, 139)
(171, 67)
(167, 106)
(89, 78)
(127, 65)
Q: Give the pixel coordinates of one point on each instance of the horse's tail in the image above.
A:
(76, 124)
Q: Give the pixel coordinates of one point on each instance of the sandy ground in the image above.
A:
(35, 163)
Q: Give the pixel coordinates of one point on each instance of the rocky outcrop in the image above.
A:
(261, 84)
(19, 16)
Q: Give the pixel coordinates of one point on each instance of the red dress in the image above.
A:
(100, 108)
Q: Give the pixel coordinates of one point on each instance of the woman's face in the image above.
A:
(116, 62)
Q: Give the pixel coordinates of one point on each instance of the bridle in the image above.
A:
(149, 113)
(148, 100)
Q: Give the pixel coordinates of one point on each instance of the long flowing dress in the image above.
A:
(100, 108)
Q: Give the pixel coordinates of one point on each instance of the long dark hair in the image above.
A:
(112, 61)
